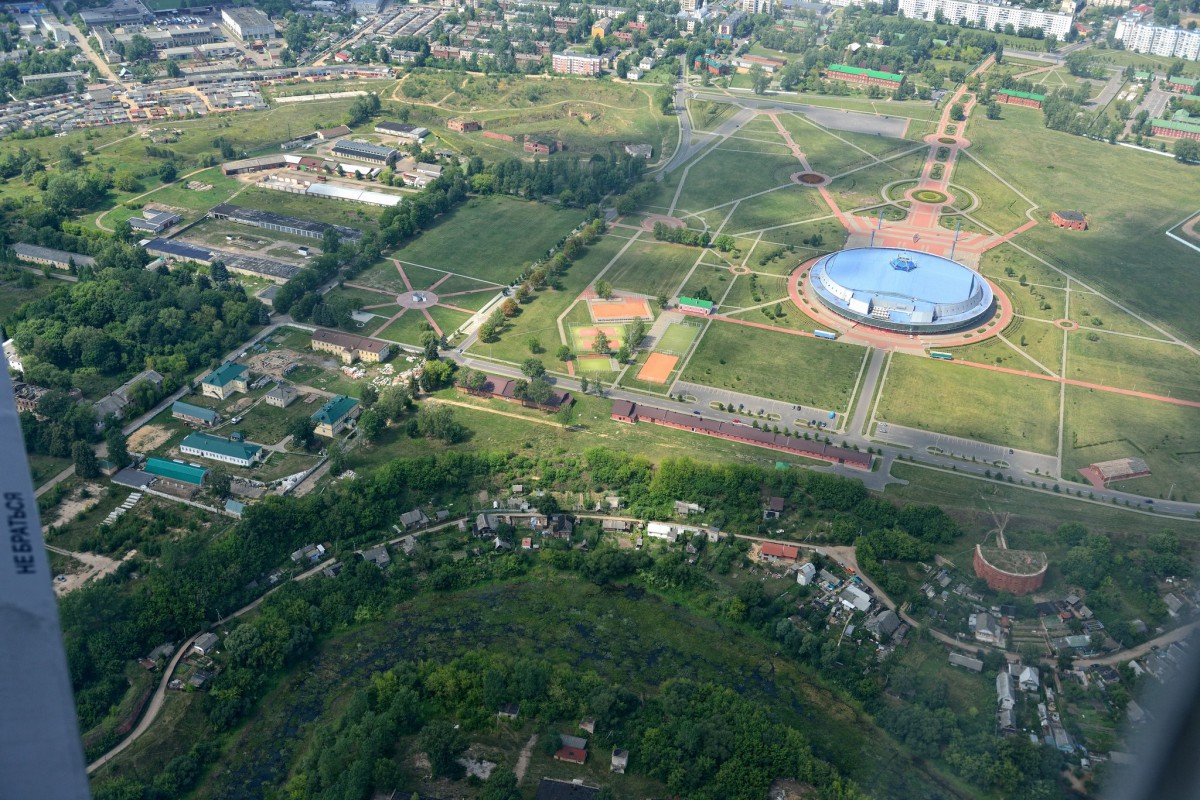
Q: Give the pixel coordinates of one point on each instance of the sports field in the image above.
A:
(583, 337)
(593, 363)
(619, 309)
(658, 368)
(993, 407)
(780, 366)
(678, 338)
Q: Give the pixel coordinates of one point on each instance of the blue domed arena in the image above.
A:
(901, 291)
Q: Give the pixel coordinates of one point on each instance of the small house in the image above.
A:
(774, 508)
(806, 573)
(378, 556)
(205, 643)
(413, 519)
(774, 552)
(509, 711)
(620, 760)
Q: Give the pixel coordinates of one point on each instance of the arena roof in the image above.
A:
(899, 290)
(932, 279)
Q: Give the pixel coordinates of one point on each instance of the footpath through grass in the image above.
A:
(775, 365)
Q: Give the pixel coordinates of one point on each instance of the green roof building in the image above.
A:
(861, 75)
(1020, 98)
(1175, 129)
(175, 472)
(194, 414)
(233, 450)
(225, 380)
(693, 304)
(333, 417)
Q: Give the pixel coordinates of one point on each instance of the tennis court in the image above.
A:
(582, 338)
(658, 368)
(678, 338)
(619, 308)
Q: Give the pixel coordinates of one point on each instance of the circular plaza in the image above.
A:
(901, 291)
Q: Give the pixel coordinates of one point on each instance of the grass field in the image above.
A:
(865, 187)
(406, 330)
(780, 366)
(1137, 364)
(19, 287)
(776, 208)
(721, 177)
(1058, 170)
(383, 276)
(337, 212)
(1000, 207)
(1041, 341)
(966, 401)
(537, 318)
(477, 238)
(653, 268)
(677, 338)
(1103, 426)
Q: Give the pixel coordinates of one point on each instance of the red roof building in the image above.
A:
(1069, 219)
(571, 755)
(773, 551)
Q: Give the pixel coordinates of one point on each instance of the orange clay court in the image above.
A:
(621, 308)
(657, 368)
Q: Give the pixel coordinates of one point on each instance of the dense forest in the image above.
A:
(126, 320)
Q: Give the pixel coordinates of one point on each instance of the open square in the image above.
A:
(658, 368)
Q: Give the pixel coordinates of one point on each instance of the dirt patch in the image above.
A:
(275, 363)
(76, 503)
(1191, 229)
(813, 179)
(523, 758)
(147, 438)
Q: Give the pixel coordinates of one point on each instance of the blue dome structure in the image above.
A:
(901, 291)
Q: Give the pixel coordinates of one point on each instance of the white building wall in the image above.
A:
(988, 15)
(1158, 40)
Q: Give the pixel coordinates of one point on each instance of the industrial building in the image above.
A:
(402, 130)
(248, 24)
(268, 220)
(896, 290)
(153, 221)
(365, 151)
(50, 257)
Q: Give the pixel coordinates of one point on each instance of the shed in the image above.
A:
(205, 643)
(620, 760)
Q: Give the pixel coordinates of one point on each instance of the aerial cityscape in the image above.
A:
(540, 400)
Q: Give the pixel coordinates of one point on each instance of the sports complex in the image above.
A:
(901, 291)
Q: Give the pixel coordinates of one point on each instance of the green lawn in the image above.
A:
(1043, 342)
(1098, 313)
(1137, 364)
(43, 468)
(1103, 426)
(320, 209)
(18, 287)
(406, 330)
(491, 238)
(653, 268)
(776, 208)
(383, 276)
(1059, 171)
(780, 366)
(997, 261)
(722, 176)
(268, 424)
(865, 187)
(994, 407)
(678, 338)
(769, 288)
(448, 319)
(537, 318)
(1000, 207)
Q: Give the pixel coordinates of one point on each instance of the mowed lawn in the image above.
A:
(653, 268)
(779, 366)
(678, 338)
(1000, 208)
(1137, 364)
(723, 176)
(491, 238)
(1124, 253)
(1102, 426)
(994, 407)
